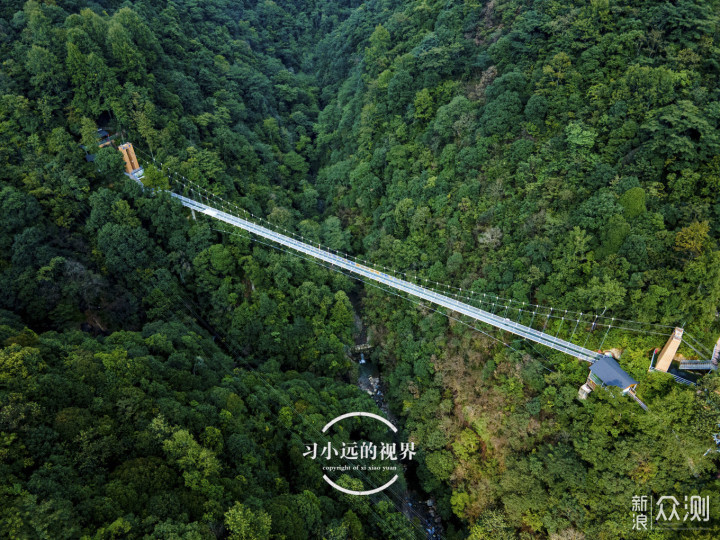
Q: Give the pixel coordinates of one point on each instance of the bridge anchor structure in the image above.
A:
(604, 370)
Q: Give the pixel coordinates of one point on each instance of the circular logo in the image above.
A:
(369, 415)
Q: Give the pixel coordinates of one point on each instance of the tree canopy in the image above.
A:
(159, 378)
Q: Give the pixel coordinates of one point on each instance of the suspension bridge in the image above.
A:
(202, 201)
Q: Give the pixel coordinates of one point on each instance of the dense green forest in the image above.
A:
(158, 378)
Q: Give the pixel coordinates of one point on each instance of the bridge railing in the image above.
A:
(420, 292)
(487, 308)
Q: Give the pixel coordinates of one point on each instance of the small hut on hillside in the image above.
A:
(607, 372)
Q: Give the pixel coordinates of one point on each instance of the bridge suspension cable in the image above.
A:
(503, 313)
(500, 322)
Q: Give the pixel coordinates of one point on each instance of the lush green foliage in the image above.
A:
(142, 425)
(562, 153)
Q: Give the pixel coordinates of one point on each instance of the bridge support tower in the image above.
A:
(128, 153)
(668, 352)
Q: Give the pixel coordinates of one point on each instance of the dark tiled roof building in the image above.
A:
(607, 372)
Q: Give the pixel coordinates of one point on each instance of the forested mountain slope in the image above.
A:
(142, 425)
(562, 153)
(555, 153)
